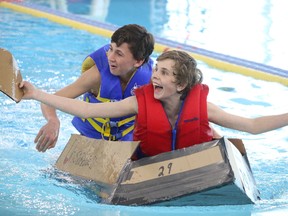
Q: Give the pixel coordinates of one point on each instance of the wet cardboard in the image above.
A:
(10, 76)
(213, 173)
(98, 160)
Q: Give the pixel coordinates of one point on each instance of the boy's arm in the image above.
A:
(251, 125)
(48, 134)
(79, 108)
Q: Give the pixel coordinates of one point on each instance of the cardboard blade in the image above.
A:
(10, 76)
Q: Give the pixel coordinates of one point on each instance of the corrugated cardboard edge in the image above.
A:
(10, 76)
(241, 168)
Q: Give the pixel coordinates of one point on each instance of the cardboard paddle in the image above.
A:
(10, 76)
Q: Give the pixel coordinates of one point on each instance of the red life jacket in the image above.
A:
(153, 128)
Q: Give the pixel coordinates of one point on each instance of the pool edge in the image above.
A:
(213, 59)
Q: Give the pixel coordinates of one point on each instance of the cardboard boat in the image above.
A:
(212, 173)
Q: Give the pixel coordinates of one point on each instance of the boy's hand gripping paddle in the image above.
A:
(10, 76)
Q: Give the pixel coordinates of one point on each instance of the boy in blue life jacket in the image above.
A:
(110, 74)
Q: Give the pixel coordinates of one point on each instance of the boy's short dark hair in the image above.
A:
(140, 41)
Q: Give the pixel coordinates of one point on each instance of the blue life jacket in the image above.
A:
(110, 91)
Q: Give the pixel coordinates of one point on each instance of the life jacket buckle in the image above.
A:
(113, 124)
(110, 124)
(115, 137)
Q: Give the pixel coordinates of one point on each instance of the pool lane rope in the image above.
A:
(213, 59)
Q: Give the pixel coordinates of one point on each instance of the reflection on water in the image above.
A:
(59, 5)
(251, 30)
(94, 9)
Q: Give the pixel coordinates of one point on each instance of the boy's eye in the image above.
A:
(109, 50)
(164, 72)
(119, 53)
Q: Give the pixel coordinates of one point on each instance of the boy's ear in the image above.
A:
(181, 87)
(139, 63)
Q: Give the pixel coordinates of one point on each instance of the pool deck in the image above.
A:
(213, 59)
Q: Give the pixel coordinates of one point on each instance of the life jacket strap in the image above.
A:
(105, 127)
(118, 136)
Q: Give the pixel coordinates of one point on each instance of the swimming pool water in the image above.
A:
(50, 56)
(252, 30)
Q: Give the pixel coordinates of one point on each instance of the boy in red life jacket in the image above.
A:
(171, 112)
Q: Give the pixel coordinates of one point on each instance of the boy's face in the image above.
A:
(164, 81)
(121, 60)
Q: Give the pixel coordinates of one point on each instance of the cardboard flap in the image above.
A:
(98, 160)
(10, 76)
(239, 145)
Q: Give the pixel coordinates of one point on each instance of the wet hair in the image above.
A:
(140, 42)
(185, 69)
